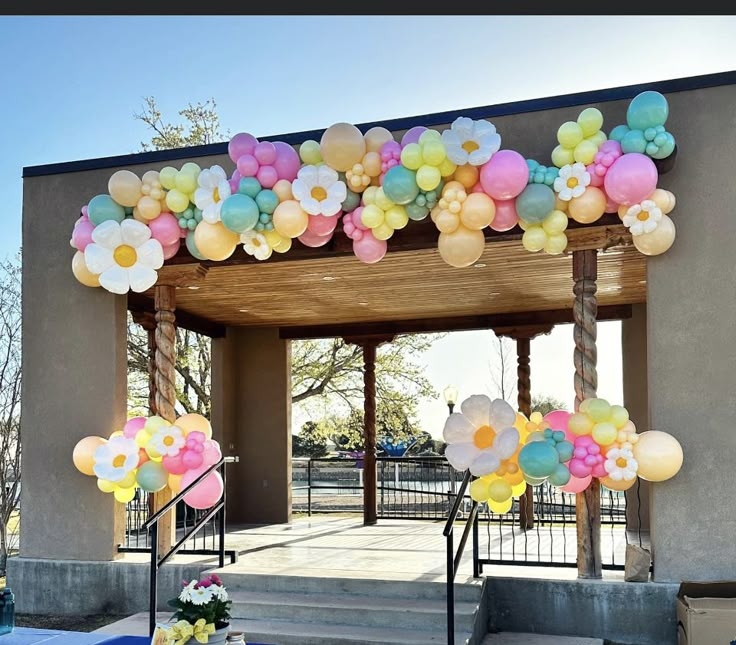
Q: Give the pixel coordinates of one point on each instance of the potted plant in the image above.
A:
(202, 611)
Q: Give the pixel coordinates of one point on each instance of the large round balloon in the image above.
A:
(342, 146)
(400, 185)
(659, 240)
(125, 188)
(84, 454)
(290, 219)
(631, 179)
(194, 422)
(152, 477)
(462, 247)
(538, 459)
(215, 241)
(658, 454)
(535, 202)
(205, 494)
(647, 110)
(505, 175)
(82, 273)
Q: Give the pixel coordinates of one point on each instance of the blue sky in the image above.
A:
(70, 85)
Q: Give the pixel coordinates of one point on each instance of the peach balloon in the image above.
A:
(372, 164)
(175, 483)
(589, 207)
(289, 219)
(659, 240)
(664, 199)
(461, 248)
(658, 454)
(194, 422)
(342, 145)
(376, 137)
(125, 188)
(467, 175)
(622, 484)
(282, 188)
(561, 204)
(478, 211)
(82, 273)
(84, 454)
(214, 241)
(148, 208)
(447, 222)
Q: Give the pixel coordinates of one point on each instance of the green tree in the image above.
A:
(201, 125)
(310, 442)
(545, 403)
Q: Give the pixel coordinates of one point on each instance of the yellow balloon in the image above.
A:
(191, 168)
(585, 151)
(372, 216)
(590, 121)
(589, 207)
(499, 490)
(342, 145)
(622, 484)
(580, 423)
(659, 240)
(125, 188)
(534, 238)
(382, 200)
(555, 243)
(396, 217)
(447, 168)
(604, 433)
(284, 245)
(619, 416)
(177, 201)
(467, 175)
(383, 231)
(289, 219)
(433, 152)
(570, 134)
(598, 138)
(500, 507)
(664, 200)
(148, 208)
(462, 247)
(193, 421)
(555, 222)
(276, 241)
(167, 177)
(127, 482)
(106, 486)
(82, 273)
(561, 204)
(520, 488)
(84, 454)
(376, 137)
(309, 152)
(175, 483)
(186, 182)
(658, 454)
(478, 211)
(411, 156)
(428, 177)
(214, 241)
(562, 156)
(124, 495)
(479, 489)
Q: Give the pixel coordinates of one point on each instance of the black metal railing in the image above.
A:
(407, 487)
(152, 526)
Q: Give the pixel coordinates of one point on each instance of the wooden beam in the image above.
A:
(587, 503)
(141, 306)
(452, 323)
(182, 275)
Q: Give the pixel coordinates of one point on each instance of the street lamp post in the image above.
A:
(450, 393)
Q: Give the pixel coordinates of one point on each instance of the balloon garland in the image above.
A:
(375, 185)
(506, 451)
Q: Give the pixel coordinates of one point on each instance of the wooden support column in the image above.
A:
(165, 392)
(585, 309)
(524, 400)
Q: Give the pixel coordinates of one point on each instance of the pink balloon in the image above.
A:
(579, 468)
(287, 162)
(131, 427)
(631, 179)
(85, 212)
(205, 494)
(557, 419)
(358, 219)
(82, 234)
(611, 206)
(234, 185)
(599, 470)
(248, 165)
(479, 189)
(506, 217)
(577, 484)
(595, 178)
(322, 224)
(174, 465)
(170, 250)
(265, 152)
(241, 144)
(505, 175)
(368, 249)
(412, 135)
(212, 453)
(165, 229)
(308, 238)
(267, 176)
(192, 459)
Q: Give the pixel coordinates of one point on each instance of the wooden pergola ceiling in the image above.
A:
(337, 290)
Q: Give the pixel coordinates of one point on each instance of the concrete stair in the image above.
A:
(302, 610)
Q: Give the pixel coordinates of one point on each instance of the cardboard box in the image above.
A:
(706, 613)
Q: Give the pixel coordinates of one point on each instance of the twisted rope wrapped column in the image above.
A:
(370, 511)
(524, 401)
(585, 310)
(151, 369)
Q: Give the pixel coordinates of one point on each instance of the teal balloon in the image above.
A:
(619, 132)
(560, 476)
(400, 185)
(534, 481)
(565, 449)
(249, 186)
(538, 459)
(267, 201)
(416, 212)
(634, 141)
(152, 477)
(351, 202)
(647, 110)
(665, 146)
(239, 213)
(128, 210)
(192, 247)
(535, 202)
(102, 208)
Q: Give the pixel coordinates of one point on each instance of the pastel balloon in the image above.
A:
(506, 216)
(287, 161)
(621, 484)
(102, 208)
(467, 175)
(535, 202)
(165, 228)
(478, 211)
(84, 454)
(631, 179)
(82, 234)
(312, 240)
(479, 489)
(647, 110)
(174, 482)
(538, 459)
(82, 273)
(500, 507)
(368, 249)
(212, 453)
(125, 188)
(658, 454)
(342, 146)
(289, 219)
(192, 460)
(323, 224)
(131, 427)
(400, 185)
(560, 475)
(412, 135)
(499, 490)
(557, 419)
(174, 464)
(376, 137)
(205, 494)
(462, 247)
(124, 495)
(505, 175)
(589, 207)
(214, 241)
(152, 477)
(193, 422)
(239, 213)
(241, 144)
(576, 484)
(659, 240)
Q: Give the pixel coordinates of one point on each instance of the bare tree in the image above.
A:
(503, 369)
(10, 391)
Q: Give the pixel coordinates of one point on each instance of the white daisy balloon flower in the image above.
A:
(318, 190)
(213, 189)
(116, 459)
(471, 142)
(572, 181)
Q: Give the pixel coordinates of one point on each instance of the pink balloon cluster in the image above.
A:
(366, 247)
(390, 157)
(82, 233)
(587, 458)
(609, 152)
(320, 230)
(266, 161)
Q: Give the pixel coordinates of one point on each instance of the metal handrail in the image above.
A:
(152, 525)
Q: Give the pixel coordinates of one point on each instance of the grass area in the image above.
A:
(66, 623)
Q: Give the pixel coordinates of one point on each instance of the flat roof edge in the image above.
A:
(404, 123)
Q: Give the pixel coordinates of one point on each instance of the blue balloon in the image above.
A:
(535, 202)
(534, 481)
(192, 247)
(416, 212)
(267, 201)
(565, 449)
(560, 476)
(647, 110)
(400, 185)
(634, 141)
(249, 186)
(538, 459)
(619, 132)
(102, 208)
(239, 213)
(152, 477)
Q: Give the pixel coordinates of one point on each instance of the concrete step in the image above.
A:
(418, 589)
(351, 609)
(509, 638)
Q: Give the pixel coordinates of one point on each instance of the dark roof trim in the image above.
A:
(438, 118)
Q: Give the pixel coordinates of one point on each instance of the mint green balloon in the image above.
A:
(647, 110)
(400, 185)
(351, 202)
(102, 208)
(192, 246)
(152, 477)
(239, 213)
(535, 202)
(249, 186)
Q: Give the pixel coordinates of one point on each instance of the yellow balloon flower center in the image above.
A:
(470, 146)
(168, 440)
(483, 437)
(318, 193)
(572, 182)
(622, 462)
(216, 194)
(125, 255)
(118, 461)
(643, 216)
